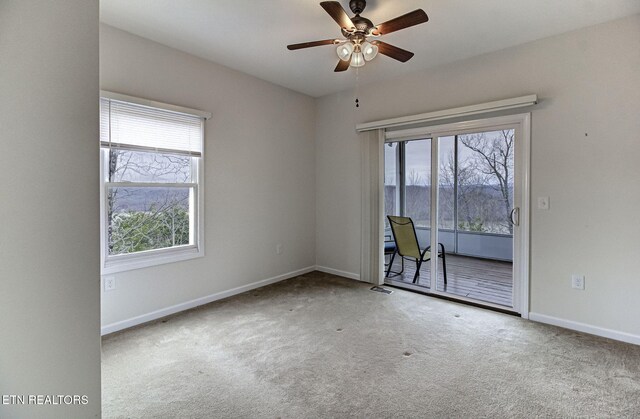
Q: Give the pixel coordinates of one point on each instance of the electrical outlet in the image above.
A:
(543, 202)
(577, 281)
(109, 283)
(279, 249)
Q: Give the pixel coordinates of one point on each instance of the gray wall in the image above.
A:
(49, 259)
(259, 174)
(588, 82)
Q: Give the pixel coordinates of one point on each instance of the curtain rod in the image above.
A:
(498, 105)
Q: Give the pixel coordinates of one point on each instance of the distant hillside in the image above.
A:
(476, 204)
(141, 199)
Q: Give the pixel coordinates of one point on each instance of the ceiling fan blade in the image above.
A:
(393, 52)
(343, 65)
(338, 14)
(311, 44)
(410, 19)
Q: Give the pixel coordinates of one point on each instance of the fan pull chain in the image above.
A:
(357, 88)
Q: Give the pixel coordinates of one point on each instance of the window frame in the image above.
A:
(111, 264)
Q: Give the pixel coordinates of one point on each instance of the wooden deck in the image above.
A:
(484, 280)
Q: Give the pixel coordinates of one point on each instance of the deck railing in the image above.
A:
(475, 244)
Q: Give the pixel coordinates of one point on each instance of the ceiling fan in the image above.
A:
(357, 48)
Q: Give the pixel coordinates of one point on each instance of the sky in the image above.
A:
(418, 158)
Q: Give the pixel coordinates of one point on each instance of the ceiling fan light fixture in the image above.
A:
(357, 59)
(369, 51)
(345, 50)
(354, 49)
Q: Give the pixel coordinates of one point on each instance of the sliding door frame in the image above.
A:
(521, 123)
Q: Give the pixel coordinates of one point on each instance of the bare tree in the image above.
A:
(417, 197)
(446, 179)
(493, 157)
(144, 218)
(414, 178)
(472, 204)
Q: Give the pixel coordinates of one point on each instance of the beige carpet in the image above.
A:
(323, 346)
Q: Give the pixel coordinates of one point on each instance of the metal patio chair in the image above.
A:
(407, 246)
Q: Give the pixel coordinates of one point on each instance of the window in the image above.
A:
(391, 184)
(151, 183)
(407, 177)
(485, 169)
(417, 182)
(475, 187)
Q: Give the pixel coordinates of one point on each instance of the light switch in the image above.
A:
(543, 202)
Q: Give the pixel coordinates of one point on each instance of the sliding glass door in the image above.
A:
(408, 194)
(472, 216)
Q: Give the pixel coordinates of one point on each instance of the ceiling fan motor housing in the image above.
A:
(363, 27)
(357, 6)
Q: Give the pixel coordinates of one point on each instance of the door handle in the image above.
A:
(515, 212)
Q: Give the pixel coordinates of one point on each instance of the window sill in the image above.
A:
(148, 259)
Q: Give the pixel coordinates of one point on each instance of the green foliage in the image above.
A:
(136, 231)
(476, 225)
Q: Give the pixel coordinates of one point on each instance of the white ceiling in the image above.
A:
(251, 35)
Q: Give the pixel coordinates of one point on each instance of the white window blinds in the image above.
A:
(134, 126)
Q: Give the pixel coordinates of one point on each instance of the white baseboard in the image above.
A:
(124, 324)
(345, 274)
(586, 328)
